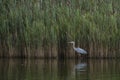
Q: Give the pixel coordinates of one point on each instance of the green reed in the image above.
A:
(27, 25)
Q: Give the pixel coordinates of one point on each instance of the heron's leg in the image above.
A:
(79, 56)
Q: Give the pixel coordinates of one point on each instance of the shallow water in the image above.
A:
(40, 69)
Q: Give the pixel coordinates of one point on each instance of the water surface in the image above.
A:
(40, 69)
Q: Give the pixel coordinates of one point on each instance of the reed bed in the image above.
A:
(42, 28)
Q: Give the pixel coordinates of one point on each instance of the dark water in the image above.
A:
(17, 69)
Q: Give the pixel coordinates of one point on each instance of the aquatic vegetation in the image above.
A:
(42, 28)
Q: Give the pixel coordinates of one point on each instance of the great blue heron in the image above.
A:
(78, 50)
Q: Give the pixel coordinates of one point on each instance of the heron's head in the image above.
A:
(71, 42)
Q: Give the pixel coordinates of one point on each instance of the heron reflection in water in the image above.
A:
(81, 66)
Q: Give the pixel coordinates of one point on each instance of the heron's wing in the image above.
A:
(80, 50)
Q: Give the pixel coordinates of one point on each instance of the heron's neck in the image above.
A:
(73, 45)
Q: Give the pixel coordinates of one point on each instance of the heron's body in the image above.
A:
(78, 50)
